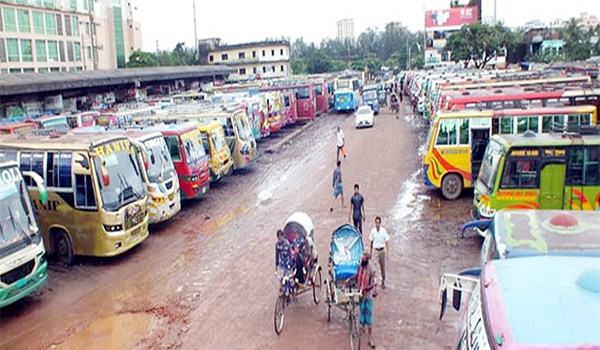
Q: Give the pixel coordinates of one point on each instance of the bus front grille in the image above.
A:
(133, 216)
(17, 273)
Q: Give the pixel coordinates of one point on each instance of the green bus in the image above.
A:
(538, 171)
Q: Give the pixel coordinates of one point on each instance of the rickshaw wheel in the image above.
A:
(316, 285)
(279, 314)
(354, 330)
(328, 300)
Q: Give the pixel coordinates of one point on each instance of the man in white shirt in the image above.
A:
(379, 242)
(340, 143)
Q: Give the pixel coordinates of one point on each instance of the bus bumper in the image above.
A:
(25, 285)
(426, 177)
(159, 212)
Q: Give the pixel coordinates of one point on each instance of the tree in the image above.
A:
(577, 44)
(478, 43)
(318, 62)
(140, 59)
(298, 66)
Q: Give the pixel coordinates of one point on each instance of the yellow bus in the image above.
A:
(215, 145)
(96, 197)
(457, 140)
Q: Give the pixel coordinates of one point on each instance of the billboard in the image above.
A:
(453, 18)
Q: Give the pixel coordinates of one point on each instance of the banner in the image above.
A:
(453, 18)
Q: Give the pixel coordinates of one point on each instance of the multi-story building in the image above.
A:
(265, 59)
(345, 29)
(66, 35)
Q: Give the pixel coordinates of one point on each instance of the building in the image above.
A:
(66, 35)
(345, 29)
(265, 59)
(588, 21)
(205, 46)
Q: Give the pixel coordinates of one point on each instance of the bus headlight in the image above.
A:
(159, 200)
(113, 228)
(486, 211)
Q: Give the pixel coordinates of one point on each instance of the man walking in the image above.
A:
(338, 189)
(357, 209)
(365, 283)
(379, 241)
(341, 142)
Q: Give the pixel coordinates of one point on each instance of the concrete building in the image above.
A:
(265, 59)
(66, 35)
(588, 21)
(345, 29)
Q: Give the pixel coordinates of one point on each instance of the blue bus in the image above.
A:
(346, 97)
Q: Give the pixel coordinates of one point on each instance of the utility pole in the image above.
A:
(408, 49)
(495, 9)
(195, 32)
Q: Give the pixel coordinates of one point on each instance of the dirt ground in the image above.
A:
(205, 279)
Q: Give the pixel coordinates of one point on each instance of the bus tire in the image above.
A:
(452, 186)
(62, 247)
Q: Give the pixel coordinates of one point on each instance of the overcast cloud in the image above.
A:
(238, 21)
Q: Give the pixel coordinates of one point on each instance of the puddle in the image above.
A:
(409, 203)
(122, 331)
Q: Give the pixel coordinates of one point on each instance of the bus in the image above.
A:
(158, 172)
(289, 105)
(23, 266)
(215, 145)
(456, 140)
(96, 198)
(84, 119)
(256, 118)
(51, 124)
(188, 156)
(17, 129)
(271, 101)
(306, 104)
(538, 171)
(321, 97)
(534, 302)
(346, 96)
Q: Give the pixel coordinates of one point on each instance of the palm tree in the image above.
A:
(575, 40)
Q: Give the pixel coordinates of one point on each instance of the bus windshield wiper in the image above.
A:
(22, 230)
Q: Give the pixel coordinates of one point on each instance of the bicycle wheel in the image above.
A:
(279, 314)
(354, 330)
(316, 286)
(328, 300)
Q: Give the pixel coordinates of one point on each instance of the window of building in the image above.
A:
(88, 52)
(2, 50)
(40, 51)
(242, 71)
(52, 51)
(28, 70)
(253, 54)
(264, 69)
(263, 53)
(520, 173)
(38, 22)
(447, 132)
(43, 70)
(59, 24)
(49, 3)
(272, 52)
(9, 19)
(23, 18)
(77, 51)
(54, 69)
(241, 55)
(75, 25)
(282, 68)
(15, 71)
(61, 51)
(86, 25)
(84, 192)
(70, 53)
(73, 5)
(68, 30)
(12, 50)
(582, 166)
(211, 58)
(224, 57)
(26, 52)
(50, 23)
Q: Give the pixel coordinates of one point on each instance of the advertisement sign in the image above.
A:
(453, 18)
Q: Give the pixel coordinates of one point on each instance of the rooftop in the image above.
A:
(48, 82)
(251, 44)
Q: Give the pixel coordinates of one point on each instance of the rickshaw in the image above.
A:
(346, 253)
(299, 223)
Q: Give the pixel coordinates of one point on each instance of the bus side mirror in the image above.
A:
(39, 183)
(444, 301)
(456, 296)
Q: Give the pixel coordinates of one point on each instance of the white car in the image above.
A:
(364, 117)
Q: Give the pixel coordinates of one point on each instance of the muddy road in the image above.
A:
(205, 279)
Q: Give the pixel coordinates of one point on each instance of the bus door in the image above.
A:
(552, 184)
(582, 177)
(480, 136)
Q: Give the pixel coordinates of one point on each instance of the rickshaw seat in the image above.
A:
(345, 271)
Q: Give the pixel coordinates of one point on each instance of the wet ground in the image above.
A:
(205, 279)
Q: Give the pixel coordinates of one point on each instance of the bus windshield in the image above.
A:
(243, 128)
(194, 151)
(125, 183)
(218, 139)
(370, 95)
(159, 158)
(343, 84)
(14, 217)
(489, 166)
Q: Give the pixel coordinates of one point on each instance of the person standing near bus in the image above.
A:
(379, 241)
(341, 143)
(338, 189)
(357, 209)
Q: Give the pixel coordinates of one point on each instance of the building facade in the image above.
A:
(66, 35)
(345, 29)
(254, 60)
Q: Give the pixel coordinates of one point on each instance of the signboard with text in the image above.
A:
(453, 18)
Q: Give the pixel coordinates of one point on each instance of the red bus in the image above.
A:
(190, 160)
(321, 97)
(289, 105)
(17, 128)
(306, 104)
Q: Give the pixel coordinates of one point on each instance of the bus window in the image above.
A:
(464, 131)
(12, 155)
(302, 93)
(506, 125)
(228, 127)
(205, 142)
(527, 123)
(173, 143)
(32, 162)
(583, 166)
(58, 169)
(546, 124)
(446, 132)
(84, 192)
(520, 173)
(318, 90)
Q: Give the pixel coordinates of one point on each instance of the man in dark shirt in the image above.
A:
(283, 255)
(338, 189)
(357, 209)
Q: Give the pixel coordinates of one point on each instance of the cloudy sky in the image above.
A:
(235, 21)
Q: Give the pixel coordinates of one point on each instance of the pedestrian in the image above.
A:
(379, 241)
(283, 255)
(365, 283)
(357, 209)
(338, 189)
(341, 143)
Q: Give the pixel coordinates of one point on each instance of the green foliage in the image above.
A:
(479, 43)
(318, 62)
(577, 45)
(298, 66)
(139, 59)
(180, 56)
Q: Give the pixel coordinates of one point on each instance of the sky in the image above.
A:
(236, 21)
